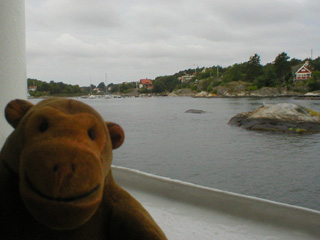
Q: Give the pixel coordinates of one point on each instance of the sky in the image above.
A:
(113, 41)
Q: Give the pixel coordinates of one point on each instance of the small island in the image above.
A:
(282, 117)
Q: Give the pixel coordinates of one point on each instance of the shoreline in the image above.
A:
(193, 95)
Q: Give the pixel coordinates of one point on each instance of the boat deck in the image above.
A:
(187, 211)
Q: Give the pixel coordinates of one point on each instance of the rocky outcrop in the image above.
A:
(272, 92)
(282, 117)
(205, 94)
(185, 92)
(242, 89)
(195, 111)
(233, 89)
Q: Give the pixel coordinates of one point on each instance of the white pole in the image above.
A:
(12, 58)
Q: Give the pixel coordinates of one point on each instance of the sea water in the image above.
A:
(203, 149)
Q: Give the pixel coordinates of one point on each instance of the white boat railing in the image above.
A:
(251, 210)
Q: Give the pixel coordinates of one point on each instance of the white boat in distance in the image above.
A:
(188, 211)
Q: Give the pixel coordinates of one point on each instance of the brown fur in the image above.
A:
(56, 180)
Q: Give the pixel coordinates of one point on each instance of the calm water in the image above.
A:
(202, 148)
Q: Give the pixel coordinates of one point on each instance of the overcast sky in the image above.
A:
(81, 41)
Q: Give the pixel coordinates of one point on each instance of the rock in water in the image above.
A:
(283, 117)
(194, 111)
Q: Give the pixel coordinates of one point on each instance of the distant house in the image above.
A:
(145, 83)
(185, 78)
(303, 72)
(32, 88)
(97, 90)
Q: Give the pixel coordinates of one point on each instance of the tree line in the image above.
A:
(278, 73)
(53, 88)
(275, 74)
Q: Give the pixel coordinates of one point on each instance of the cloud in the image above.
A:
(75, 40)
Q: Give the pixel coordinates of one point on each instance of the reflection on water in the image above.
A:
(203, 149)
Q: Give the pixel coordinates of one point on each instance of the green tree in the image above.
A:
(113, 87)
(159, 86)
(68, 90)
(253, 68)
(314, 82)
(235, 72)
(124, 88)
(282, 68)
(102, 86)
(204, 84)
(205, 74)
(44, 87)
(316, 75)
(267, 79)
(269, 76)
(315, 64)
(295, 62)
(170, 82)
(76, 89)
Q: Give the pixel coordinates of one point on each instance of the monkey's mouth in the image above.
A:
(58, 199)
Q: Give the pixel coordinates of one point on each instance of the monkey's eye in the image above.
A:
(44, 125)
(91, 134)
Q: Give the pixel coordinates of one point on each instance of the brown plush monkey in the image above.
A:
(56, 180)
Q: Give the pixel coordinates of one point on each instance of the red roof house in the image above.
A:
(32, 88)
(146, 83)
(303, 73)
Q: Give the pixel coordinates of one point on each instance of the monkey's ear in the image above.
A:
(116, 134)
(15, 110)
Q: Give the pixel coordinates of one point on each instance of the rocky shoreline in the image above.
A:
(261, 93)
(241, 89)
